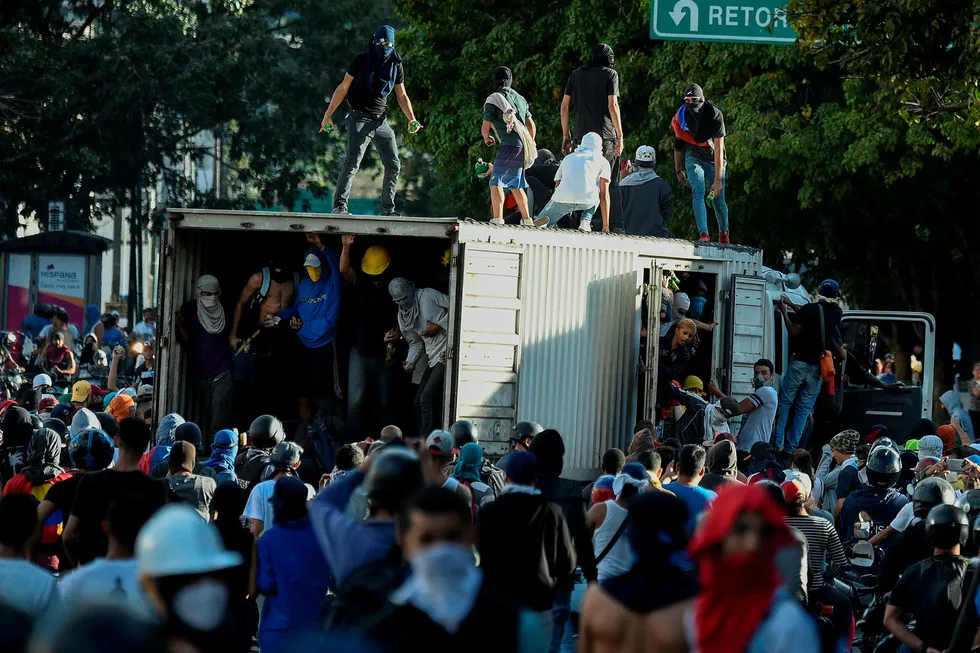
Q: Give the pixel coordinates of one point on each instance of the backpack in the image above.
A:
(250, 466)
(494, 477)
(363, 596)
(250, 311)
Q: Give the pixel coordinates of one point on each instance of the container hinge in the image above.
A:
(454, 262)
(450, 354)
(726, 295)
(722, 373)
(168, 250)
(164, 342)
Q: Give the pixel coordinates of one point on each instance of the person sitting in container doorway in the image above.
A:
(202, 327)
(699, 148)
(423, 317)
(374, 316)
(648, 201)
(314, 316)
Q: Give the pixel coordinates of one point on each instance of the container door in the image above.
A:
(897, 349)
(485, 338)
(650, 340)
(748, 312)
(165, 392)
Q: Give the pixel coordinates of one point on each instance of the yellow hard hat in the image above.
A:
(446, 257)
(375, 261)
(693, 383)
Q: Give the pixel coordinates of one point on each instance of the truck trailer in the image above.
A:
(544, 325)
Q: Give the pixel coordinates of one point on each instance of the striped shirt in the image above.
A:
(821, 539)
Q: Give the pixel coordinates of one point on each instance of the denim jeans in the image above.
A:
(701, 176)
(428, 400)
(560, 613)
(362, 130)
(800, 387)
(554, 211)
(367, 370)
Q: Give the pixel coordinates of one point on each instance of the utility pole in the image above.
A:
(117, 222)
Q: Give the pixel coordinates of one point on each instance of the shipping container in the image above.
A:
(544, 325)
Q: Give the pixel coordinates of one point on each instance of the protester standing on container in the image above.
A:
(423, 317)
(648, 202)
(370, 79)
(593, 90)
(201, 326)
(699, 149)
(506, 112)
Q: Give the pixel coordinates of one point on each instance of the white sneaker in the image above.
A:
(585, 225)
(499, 221)
(527, 222)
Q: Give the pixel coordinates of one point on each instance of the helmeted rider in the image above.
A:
(463, 433)
(878, 498)
(252, 464)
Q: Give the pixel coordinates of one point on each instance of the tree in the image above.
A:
(823, 170)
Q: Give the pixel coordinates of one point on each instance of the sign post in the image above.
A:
(733, 21)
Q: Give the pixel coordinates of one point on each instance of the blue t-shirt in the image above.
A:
(113, 337)
(696, 498)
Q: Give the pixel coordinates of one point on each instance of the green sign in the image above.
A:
(755, 21)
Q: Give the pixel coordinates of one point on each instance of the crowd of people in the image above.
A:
(529, 183)
(414, 543)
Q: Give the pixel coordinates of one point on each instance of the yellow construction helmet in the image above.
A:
(446, 257)
(375, 261)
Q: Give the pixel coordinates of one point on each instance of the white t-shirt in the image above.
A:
(579, 176)
(905, 518)
(757, 425)
(104, 580)
(259, 506)
(28, 588)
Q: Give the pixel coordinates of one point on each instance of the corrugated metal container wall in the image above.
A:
(579, 348)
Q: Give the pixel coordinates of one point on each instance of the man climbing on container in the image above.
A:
(370, 79)
(801, 385)
(374, 315)
(593, 90)
(699, 149)
(314, 317)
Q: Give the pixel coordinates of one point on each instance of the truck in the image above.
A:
(549, 325)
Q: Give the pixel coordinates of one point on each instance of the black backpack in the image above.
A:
(363, 596)
(250, 466)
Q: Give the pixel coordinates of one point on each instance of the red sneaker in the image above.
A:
(723, 238)
(705, 238)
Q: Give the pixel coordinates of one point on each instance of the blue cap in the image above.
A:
(522, 467)
(829, 288)
(635, 470)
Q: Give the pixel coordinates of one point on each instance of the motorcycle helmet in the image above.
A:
(884, 442)
(266, 432)
(947, 526)
(463, 432)
(394, 476)
(969, 502)
(91, 449)
(884, 467)
(525, 430)
(929, 493)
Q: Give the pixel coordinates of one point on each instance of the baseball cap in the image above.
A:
(146, 390)
(48, 402)
(522, 467)
(286, 455)
(645, 156)
(801, 479)
(81, 391)
(829, 288)
(42, 380)
(129, 392)
(845, 441)
(311, 261)
(440, 443)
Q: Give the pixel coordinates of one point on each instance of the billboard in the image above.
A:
(61, 281)
(18, 299)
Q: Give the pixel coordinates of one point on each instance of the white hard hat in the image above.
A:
(42, 380)
(175, 542)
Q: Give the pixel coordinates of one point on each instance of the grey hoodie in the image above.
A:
(648, 204)
(951, 402)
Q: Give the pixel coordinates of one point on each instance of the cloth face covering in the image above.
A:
(444, 584)
(468, 465)
(403, 292)
(210, 312)
(382, 61)
(43, 454)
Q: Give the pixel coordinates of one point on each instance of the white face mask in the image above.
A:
(203, 605)
(209, 302)
(444, 584)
